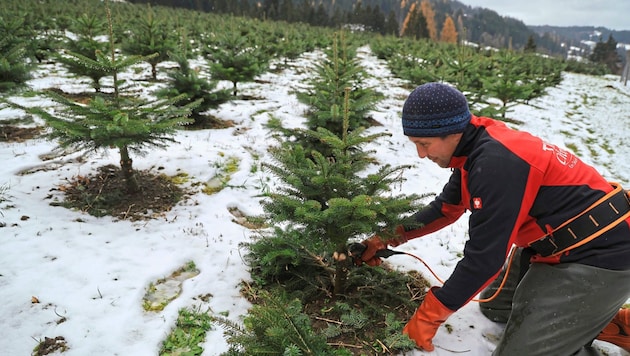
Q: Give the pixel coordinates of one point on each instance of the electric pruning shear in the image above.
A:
(357, 249)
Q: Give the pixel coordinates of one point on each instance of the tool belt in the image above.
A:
(600, 217)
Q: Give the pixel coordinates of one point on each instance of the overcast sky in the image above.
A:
(613, 14)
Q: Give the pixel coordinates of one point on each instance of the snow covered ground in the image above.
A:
(89, 274)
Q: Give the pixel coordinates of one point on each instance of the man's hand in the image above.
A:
(401, 237)
(425, 322)
(375, 244)
(367, 256)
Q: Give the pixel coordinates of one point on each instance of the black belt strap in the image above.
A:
(584, 226)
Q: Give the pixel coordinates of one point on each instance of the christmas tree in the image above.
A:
(336, 72)
(236, 57)
(325, 200)
(14, 67)
(114, 119)
(150, 35)
(81, 51)
(187, 81)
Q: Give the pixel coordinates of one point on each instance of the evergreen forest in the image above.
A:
(474, 24)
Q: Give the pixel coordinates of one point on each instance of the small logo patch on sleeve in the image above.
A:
(477, 203)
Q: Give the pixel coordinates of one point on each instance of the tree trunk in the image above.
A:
(127, 171)
(154, 71)
(342, 266)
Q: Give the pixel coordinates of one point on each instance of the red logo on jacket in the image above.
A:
(476, 203)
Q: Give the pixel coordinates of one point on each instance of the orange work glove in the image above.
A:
(372, 245)
(376, 243)
(427, 319)
(401, 237)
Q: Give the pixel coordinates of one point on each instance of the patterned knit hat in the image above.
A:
(435, 110)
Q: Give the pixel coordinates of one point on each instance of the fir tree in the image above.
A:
(530, 46)
(415, 24)
(14, 70)
(326, 201)
(150, 35)
(236, 57)
(275, 326)
(391, 25)
(335, 73)
(292, 45)
(508, 83)
(287, 11)
(187, 81)
(14, 56)
(87, 28)
(114, 120)
(465, 68)
(16, 31)
(606, 53)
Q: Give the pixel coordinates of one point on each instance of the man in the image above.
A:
(572, 225)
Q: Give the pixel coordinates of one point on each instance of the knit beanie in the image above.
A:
(435, 110)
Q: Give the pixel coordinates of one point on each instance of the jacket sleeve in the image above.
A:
(498, 182)
(443, 211)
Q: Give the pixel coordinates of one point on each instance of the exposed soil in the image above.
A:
(105, 193)
(209, 122)
(10, 133)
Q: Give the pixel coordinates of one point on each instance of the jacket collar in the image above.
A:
(466, 144)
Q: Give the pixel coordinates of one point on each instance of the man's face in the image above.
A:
(437, 149)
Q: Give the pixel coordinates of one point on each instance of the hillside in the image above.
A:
(479, 25)
(583, 33)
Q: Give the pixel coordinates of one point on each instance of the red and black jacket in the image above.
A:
(517, 188)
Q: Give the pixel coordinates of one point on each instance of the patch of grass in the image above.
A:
(573, 147)
(4, 193)
(50, 346)
(231, 165)
(607, 148)
(137, 69)
(189, 333)
(225, 169)
(190, 267)
(179, 178)
(165, 290)
(259, 112)
(590, 144)
(256, 157)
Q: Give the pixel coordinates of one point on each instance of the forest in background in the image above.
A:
(473, 24)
